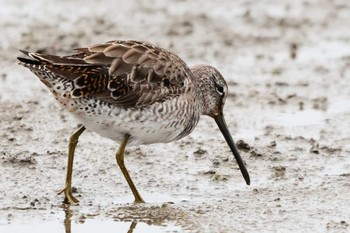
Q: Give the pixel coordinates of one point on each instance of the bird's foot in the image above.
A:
(68, 196)
(139, 199)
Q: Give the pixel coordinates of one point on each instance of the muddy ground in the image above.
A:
(287, 64)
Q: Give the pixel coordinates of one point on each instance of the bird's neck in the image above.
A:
(201, 85)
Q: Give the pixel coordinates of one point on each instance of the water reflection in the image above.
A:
(86, 225)
(123, 218)
(68, 221)
(132, 227)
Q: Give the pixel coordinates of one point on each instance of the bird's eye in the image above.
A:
(220, 89)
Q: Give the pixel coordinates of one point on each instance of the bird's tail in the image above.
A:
(31, 61)
(68, 71)
(37, 64)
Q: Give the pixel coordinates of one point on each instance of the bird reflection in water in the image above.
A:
(68, 221)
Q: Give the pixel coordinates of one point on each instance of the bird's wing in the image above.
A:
(139, 73)
(123, 73)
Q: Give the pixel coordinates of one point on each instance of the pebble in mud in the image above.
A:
(200, 152)
(242, 145)
(279, 171)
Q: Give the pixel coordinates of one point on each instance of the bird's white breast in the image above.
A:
(158, 123)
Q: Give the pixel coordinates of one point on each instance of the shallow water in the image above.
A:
(88, 226)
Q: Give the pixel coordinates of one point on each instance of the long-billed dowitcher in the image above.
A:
(131, 91)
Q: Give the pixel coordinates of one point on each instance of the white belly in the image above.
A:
(145, 127)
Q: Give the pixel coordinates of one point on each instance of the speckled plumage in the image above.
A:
(133, 89)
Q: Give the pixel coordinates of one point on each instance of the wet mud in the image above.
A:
(287, 64)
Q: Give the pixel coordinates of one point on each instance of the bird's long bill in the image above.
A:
(220, 121)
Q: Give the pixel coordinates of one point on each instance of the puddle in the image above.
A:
(302, 118)
(124, 218)
(324, 51)
(339, 105)
(307, 123)
(88, 225)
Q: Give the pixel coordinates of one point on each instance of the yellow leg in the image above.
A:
(67, 190)
(120, 160)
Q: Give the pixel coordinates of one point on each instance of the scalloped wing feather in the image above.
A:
(140, 72)
(124, 73)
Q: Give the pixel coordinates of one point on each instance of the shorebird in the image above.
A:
(132, 92)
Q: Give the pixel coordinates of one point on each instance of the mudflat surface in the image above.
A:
(287, 64)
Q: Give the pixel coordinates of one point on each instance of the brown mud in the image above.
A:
(287, 64)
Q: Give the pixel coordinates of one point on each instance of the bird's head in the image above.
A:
(214, 91)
